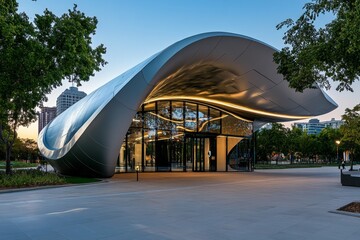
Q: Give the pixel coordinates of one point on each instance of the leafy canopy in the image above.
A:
(351, 127)
(35, 57)
(351, 132)
(317, 54)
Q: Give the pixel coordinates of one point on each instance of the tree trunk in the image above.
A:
(7, 157)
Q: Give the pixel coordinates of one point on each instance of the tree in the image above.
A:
(25, 149)
(271, 141)
(307, 145)
(327, 143)
(317, 54)
(351, 131)
(293, 141)
(34, 59)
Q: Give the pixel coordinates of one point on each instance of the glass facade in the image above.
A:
(179, 136)
(241, 156)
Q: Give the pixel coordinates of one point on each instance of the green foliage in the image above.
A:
(18, 164)
(308, 145)
(23, 149)
(317, 54)
(29, 178)
(327, 143)
(295, 144)
(271, 141)
(351, 131)
(35, 178)
(36, 57)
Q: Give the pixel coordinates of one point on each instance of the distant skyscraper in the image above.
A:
(46, 115)
(68, 98)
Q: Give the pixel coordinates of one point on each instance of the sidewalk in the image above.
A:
(266, 204)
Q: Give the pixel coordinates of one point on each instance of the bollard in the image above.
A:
(137, 168)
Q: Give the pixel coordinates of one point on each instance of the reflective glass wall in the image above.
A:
(177, 136)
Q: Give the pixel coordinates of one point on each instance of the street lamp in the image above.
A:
(337, 151)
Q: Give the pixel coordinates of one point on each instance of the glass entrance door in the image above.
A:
(200, 154)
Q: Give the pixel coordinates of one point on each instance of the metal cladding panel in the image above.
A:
(229, 71)
(237, 46)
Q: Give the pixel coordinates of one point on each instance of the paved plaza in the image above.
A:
(266, 204)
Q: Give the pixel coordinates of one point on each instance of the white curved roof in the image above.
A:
(224, 70)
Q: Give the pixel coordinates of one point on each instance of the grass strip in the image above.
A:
(285, 166)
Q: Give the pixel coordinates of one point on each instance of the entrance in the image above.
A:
(200, 153)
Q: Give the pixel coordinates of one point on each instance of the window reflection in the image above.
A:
(163, 135)
(190, 116)
(214, 121)
(203, 119)
(234, 126)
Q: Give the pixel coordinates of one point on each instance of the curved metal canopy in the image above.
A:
(224, 70)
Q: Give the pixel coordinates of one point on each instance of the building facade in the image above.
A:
(314, 126)
(68, 98)
(46, 115)
(191, 107)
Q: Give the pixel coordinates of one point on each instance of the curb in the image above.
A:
(346, 213)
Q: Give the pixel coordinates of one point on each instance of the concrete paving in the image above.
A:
(266, 204)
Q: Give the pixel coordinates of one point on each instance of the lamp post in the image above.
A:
(337, 152)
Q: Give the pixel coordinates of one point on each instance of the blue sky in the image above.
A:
(133, 30)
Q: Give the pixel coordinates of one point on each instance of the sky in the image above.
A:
(133, 30)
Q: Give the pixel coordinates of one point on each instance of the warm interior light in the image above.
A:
(226, 104)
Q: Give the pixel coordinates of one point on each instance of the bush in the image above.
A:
(29, 178)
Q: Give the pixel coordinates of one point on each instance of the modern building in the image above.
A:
(46, 115)
(191, 107)
(314, 126)
(68, 98)
(336, 124)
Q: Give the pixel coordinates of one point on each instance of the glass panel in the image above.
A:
(203, 118)
(137, 121)
(149, 141)
(240, 156)
(163, 151)
(190, 117)
(134, 146)
(189, 153)
(164, 121)
(122, 158)
(176, 153)
(149, 120)
(214, 121)
(164, 135)
(150, 107)
(234, 126)
(177, 117)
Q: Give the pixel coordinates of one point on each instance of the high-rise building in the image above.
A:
(68, 98)
(46, 115)
(314, 126)
(333, 123)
